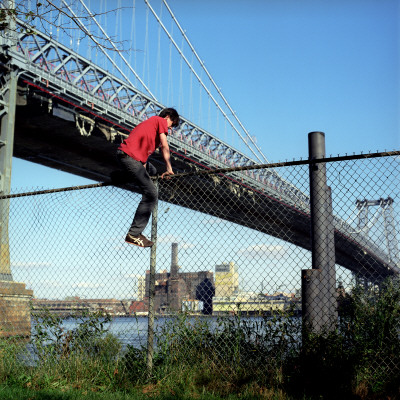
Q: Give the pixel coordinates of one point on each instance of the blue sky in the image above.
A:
(291, 67)
(288, 68)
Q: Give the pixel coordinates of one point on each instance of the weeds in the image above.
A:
(257, 358)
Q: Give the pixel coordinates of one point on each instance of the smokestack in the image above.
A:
(174, 259)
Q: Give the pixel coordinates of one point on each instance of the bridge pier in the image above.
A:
(8, 99)
(319, 303)
(14, 297)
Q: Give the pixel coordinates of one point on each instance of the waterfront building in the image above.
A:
(226, 280)
(252, 304)
(180, 291)
(73, 306)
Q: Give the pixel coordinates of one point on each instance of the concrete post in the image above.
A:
(319, 284)
(152, 285)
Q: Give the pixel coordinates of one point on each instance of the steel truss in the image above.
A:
(65, 73)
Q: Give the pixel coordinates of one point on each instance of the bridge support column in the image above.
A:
(319, 303)
(7, 115)
(14, 297)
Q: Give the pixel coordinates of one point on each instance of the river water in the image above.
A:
(133, 330)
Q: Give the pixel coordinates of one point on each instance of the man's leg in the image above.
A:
(141, 178)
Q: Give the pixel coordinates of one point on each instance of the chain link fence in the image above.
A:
(228, 275)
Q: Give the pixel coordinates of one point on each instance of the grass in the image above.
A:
(147, 392)
(237, 359)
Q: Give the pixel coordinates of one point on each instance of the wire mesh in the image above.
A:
(230, 261)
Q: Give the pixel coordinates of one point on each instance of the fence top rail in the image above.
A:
(292, 163)
(218, 171)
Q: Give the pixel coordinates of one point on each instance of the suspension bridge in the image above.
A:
(71, 114)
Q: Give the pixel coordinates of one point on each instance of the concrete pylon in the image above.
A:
(14, 297)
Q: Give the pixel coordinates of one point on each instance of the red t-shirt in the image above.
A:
(144, 138)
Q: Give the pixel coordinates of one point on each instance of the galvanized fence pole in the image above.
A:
(152, 282)
(318, 284)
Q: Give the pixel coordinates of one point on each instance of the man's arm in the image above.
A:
(166, 154)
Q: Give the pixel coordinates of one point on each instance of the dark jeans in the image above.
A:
(140, 176)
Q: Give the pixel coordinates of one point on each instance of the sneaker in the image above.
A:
(138, 240)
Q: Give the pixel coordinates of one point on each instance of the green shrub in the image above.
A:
(265, 357)
(361, 356)
(84, 356)
(12, 355)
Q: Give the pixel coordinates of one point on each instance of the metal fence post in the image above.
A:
(319, 283)
(150, 328)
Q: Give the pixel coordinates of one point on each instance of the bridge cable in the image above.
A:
(146, 51)
(158, 80)
(205, 88)
(180, 94)
(133, 34)
(212, 80)
(112, 44)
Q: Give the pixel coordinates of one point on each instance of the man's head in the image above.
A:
(172, 114)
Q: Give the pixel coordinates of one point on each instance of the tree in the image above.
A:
(44, 15)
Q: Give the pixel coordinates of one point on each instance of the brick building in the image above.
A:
(175, 288)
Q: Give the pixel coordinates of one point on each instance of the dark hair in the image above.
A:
(172, 114)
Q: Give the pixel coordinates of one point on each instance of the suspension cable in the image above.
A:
(202, 84)
(212, 80)
(112, 44)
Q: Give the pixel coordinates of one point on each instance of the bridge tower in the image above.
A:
(364, 224)
(14, 297)
(8, 100)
